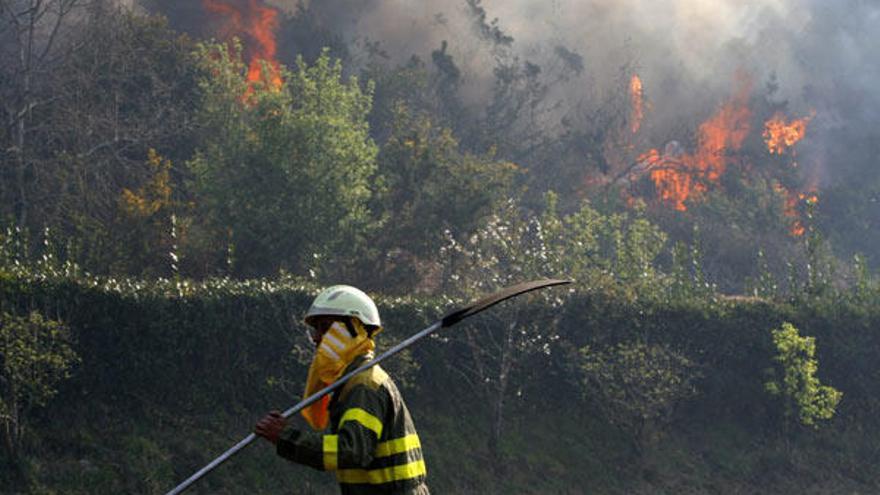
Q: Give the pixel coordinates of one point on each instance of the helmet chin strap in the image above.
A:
(351, 330)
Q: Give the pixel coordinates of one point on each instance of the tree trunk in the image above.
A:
(21, 194)
(496, 425)
(11, 432)
(497, 419)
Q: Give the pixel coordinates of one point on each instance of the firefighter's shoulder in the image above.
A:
(372, 379)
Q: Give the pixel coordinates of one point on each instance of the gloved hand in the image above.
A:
(271, 426)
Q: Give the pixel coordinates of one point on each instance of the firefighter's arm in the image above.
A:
(299, 445)
(354, 443)
(359, 429)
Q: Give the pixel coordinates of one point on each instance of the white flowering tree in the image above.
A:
(516, 245)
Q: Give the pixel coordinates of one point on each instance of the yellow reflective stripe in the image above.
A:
(364, 418)
(398, 445)
(331, 452)
(383, 475)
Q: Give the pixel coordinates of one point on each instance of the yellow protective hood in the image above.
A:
(335, 352)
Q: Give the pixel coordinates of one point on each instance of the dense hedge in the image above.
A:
(196, 348)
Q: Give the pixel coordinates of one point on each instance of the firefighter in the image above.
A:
(363, 431)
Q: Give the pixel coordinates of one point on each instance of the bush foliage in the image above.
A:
(235, 342)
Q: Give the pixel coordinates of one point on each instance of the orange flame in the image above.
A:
(635, 98)
(678, 178)
(780, 135)
(792, 200)
(254, 23)
(811, 198)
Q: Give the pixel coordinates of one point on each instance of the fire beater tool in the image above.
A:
(448, 320)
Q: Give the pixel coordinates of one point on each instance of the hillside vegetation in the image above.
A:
(175, 191)
(598, 389)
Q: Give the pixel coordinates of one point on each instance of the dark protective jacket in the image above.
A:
(371, 443)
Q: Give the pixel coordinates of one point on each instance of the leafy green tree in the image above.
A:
(605, 250)
(430, 186)
(820, 262)
(765, 285)
(637, 386)
(804, 397)
(864, 286)
(284, 174)
(35, 356)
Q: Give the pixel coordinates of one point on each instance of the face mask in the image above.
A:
(337, 349)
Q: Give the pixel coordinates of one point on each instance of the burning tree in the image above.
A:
(679, 177)
(738, 177)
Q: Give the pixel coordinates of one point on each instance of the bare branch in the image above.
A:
(107, 144)
(59, 19)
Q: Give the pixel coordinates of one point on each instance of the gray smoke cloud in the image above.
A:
(822, 55)
(701, 42)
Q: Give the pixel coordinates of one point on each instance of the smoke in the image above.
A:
(820, 55)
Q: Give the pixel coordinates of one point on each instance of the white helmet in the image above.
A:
(344, 300)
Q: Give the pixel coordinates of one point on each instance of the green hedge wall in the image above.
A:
(199, 348)
(216, 341)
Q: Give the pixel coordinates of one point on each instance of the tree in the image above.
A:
(150, 228)
(429, 92)
(803, 396)
(108, 91)
(129, 90)
(617, 250)
(637, 386)
(502, 345)
(430, 186)
(521, 119)
(286, 173)
(32, 34)
(35, 356)
(515, 245)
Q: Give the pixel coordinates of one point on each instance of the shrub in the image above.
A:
(802, 394)
(35, 356)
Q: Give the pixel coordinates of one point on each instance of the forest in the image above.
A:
(178, 180)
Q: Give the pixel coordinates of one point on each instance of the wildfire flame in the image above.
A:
(635, 98)
(677, 178)
(255, 24)
(780, 135)
(792, 200)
